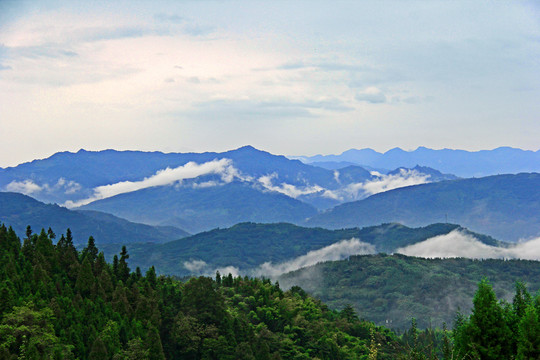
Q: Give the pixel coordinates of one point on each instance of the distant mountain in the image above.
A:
(201, 209)
(19, 211)
(506, 207)
(199, 191)
(390, 290)
(503, 160)
(246, 247)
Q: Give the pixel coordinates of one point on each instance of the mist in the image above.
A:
(460, 244)
(221, 167)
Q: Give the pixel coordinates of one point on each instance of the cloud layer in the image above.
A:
(191, 170)
(459, 244)
(337, 251)
(28, 187)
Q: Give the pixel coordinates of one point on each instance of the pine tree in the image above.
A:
(153, 344)
(489, 334)
(85, 280)
(529, 335)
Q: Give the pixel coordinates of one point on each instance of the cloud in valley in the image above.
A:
(221, 167)
(28, 187)
(337, 251)
(460, 244)
(287, 189)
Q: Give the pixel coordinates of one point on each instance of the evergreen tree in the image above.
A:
(85, 280)
(153, 344)
(528, 347)
(489, 332)
(98, 351)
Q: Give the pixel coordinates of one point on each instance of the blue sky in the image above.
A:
(289, 77)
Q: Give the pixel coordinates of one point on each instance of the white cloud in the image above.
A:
(26, 187)
(29, 187)
(195, 266)
(460, 244)
(380, 183)
(222, 167)
(288, 189)
(336, 251)
(201, 267)
(405, 177)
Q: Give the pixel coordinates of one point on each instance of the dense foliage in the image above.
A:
(391, 289)
(62, 304)
(499, 330)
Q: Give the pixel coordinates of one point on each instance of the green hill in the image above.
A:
(19, 211)
(248, 245)
(391, 290)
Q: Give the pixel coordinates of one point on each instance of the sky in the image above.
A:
(289, 77)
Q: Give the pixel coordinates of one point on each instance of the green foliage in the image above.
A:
(392, 289)
(80, 307)
(487, 333)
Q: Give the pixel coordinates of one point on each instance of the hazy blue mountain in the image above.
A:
(200, 209)
(332, 165)
(19, 211)
(506, 207)
(72, 176)
(503, 160)
(247, 246)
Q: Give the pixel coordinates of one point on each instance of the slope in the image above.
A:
(19, 210)
(391, 290)
(506, 207)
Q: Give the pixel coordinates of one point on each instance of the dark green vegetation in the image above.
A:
(397, 288)
(57, 303)
(506, 207)
(499, 330)
(19, 211)
(248, 245)
(203, 209)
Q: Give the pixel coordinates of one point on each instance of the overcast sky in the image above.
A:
(289, 77)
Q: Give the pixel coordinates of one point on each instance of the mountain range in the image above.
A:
(502, 160)
(202, 191)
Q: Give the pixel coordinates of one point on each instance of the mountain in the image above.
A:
(18, 211)
(506, 207)
(391, 290)
(74, 178)
(201, 209)
(270, 249)
(502, 160)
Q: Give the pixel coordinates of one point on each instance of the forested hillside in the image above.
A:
(392, 289)
(57, 303)
(246, 246)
